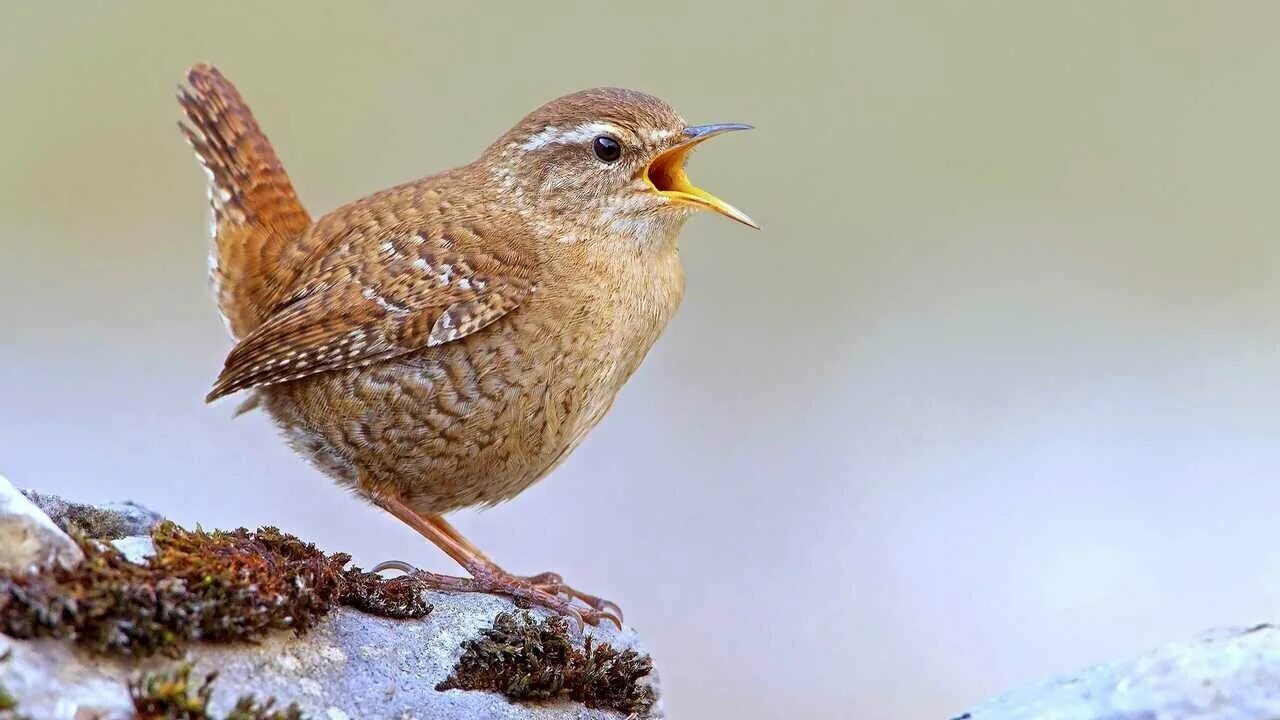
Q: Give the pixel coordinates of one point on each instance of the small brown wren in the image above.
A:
(448, 342)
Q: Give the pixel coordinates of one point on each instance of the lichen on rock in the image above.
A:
(528, 659)
(102, 522)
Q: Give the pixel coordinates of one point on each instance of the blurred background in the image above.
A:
(993, 395)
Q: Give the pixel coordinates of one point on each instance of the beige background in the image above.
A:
(992, 395)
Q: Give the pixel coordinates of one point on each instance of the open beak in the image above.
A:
(665, 173)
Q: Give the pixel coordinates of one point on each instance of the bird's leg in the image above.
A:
(486, 576)
(548, 581)
(448, 528)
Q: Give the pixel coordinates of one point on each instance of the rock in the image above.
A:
(136, 549)
(1228, 674)
(104, 522)
(350, 665)
(29, 540)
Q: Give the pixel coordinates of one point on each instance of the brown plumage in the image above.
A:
(447, 342)
(255, 214)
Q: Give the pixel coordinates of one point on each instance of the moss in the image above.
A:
(171, 696)
(526, 659)
(399, 597)
(211, 586)
(8, 706)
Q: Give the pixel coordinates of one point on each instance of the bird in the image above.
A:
(447, 342)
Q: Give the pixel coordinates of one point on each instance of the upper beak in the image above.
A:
(665, 173)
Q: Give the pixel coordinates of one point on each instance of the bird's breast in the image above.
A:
(614, 323)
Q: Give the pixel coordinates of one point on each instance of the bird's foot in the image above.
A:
(546, 590)
(553, 583)
(549, 590)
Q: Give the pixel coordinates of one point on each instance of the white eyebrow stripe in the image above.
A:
(552, 135)
(657, 134)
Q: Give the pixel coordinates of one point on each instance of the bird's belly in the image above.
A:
(472, 422)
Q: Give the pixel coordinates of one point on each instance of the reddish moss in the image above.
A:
(526, 659)
(212, 586)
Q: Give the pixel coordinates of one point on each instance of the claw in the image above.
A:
(400, 565)
(615, 612)
(615, 618)
(553, 583)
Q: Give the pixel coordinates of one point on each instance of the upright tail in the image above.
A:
(256, 220)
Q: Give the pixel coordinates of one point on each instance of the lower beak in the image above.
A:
(665, 173)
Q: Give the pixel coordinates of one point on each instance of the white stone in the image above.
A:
(136, 549)
(29, 540)
(1228, 674)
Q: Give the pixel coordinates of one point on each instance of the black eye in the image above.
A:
(607, 149)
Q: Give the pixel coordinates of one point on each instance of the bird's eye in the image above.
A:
(607, 149)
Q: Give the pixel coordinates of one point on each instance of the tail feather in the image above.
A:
(256, 220)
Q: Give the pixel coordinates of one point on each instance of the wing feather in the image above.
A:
(414, 291)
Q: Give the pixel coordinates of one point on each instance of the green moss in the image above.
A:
(9, 707)
(526, 659)
(171, 696)
(210, 586)
(7, 704)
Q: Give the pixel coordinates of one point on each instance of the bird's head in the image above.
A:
(608, 159)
